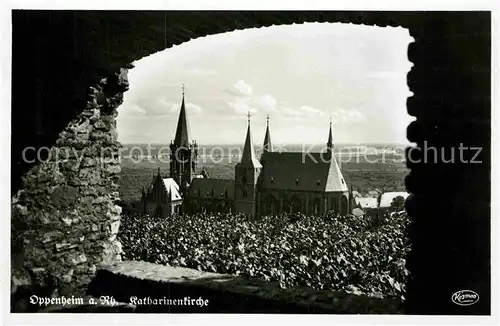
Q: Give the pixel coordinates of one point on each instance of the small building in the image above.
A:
(356, 194)
(369, 205)
(366, 202)
(162, 198)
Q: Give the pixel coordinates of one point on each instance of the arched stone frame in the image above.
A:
(438, 96)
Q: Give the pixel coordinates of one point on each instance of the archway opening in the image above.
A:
(300, 80)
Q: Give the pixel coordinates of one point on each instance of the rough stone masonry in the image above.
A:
(65, 217)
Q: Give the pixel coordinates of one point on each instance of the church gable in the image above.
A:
(301, 172)
(172, 189)
(164, 190)
(335, 180)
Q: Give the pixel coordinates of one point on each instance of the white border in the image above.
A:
(143, 319)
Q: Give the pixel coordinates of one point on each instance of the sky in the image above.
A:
(301, 75)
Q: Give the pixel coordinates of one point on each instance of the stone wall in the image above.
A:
(65, 217)
(129, 280)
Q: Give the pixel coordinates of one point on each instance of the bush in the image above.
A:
(332, 252)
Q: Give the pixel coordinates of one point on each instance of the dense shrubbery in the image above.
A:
(329, 252)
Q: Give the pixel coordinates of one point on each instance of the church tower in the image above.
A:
(329, 143)
(268, 146)
(183, 154)
(246, 175)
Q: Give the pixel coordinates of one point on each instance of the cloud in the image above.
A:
(240, 88)
(267, 102)
(131, 110)
(348, 116)
(190, 108)
(158, 110)
(310, 111)
(241, 106)
(291, 112)
(303, 111)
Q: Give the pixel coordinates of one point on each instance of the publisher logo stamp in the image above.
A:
(465, 297)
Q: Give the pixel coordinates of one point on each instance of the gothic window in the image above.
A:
(295, 205)
(343, 206)
(316, 206)
(271, 179)
(244, 193)
(244, 179)
(297, 181)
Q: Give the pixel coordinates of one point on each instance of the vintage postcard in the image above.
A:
(276, 163)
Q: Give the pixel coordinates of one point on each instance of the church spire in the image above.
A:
(248, 157)
(329, 144)
(268, 146)
(182, 132)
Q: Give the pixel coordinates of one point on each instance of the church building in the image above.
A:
(165, 196)
(162, 198)
(277, 182)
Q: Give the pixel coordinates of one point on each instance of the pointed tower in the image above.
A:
(182, 132)
(329, 144)
(183, 154)
(268, 146)
(246, 175)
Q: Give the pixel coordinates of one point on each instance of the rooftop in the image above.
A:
(301, 171)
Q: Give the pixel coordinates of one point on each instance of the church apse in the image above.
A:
(299, 182)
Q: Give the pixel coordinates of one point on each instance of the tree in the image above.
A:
(398, 204)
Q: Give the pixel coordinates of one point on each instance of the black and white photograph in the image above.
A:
(269, 163)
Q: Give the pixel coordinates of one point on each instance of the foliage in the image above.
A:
(398, 203)
(328, 252)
